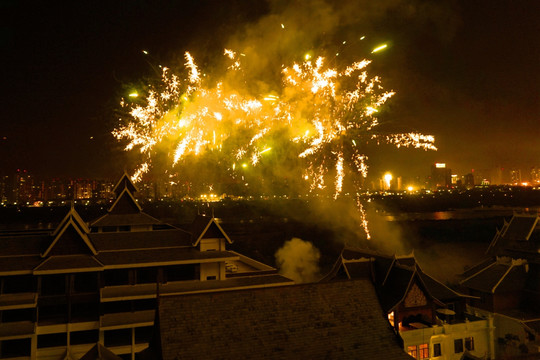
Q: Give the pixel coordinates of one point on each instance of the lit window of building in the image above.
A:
(423, 349)
(413, 351)
(391, 318)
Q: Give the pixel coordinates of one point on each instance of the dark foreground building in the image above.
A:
(337, 320)
(66, 290)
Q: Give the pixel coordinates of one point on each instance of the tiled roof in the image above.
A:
(69, 262)
(140, 239)
(520, 227)
(126, 220)
(437, 289)
(19, 264)
(23, 245)
(159, 256)
(391, 276)
(519, 238)
(497, 277)
(474, 269)
(335, 320)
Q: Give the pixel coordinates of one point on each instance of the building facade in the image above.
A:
(429, 317)
(64, 291)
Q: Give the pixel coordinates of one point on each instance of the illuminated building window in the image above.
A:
(458, 346)
(437, 350)
(413, 351)
(391, 318)
(469, 343)
(423, 349)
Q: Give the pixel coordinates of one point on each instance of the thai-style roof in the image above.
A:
(503, 275)
(125, 211)
(136, 219)
(206, 226)
(124, 183)
(68, 263)
(518, 238)
(71, 247)
(125, 203)
(392, 276)
(335, 320)
(70, 237)
(128, 240)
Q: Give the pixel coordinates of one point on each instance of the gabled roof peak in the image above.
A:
(125, 203)
(124, 183)
(74, 221)
(75, 217)
(200, 226)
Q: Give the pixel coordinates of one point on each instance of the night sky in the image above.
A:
(465, 71)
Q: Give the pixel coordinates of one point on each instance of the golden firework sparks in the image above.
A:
(327, 112)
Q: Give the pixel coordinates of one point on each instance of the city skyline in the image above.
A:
(463, 72)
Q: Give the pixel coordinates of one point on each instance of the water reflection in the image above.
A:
(477, 213)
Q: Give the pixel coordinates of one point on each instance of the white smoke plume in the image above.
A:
(299, 260)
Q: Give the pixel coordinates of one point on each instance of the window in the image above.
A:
(117, 337)
(181, 272)
(423, 349)
(458, 346)
(469, 343)
(412, 350)
(147, 275)
(84, 312)
(143, 334)
(19, 284)
(84, 337)
(52, 314)
(18, 315)
(117, 277)
(213, 277)
(15, 348)
(53, 285)
(85, 282)
(52, 340)
(437, 350)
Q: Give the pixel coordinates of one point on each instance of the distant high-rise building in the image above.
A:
(535, 175)
(468, 180)
(482, 176)
(497, 176)
(441, 176)
(23, 187)
(515, 176)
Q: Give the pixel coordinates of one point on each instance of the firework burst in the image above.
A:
(324, 112)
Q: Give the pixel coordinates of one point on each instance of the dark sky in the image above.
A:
(466, 71)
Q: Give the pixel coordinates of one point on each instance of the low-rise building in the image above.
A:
(506, 287)
(429, 316)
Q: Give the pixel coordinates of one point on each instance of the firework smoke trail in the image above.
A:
(326, 112)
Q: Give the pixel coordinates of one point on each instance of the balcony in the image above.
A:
(18, 301)
(127, 319)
